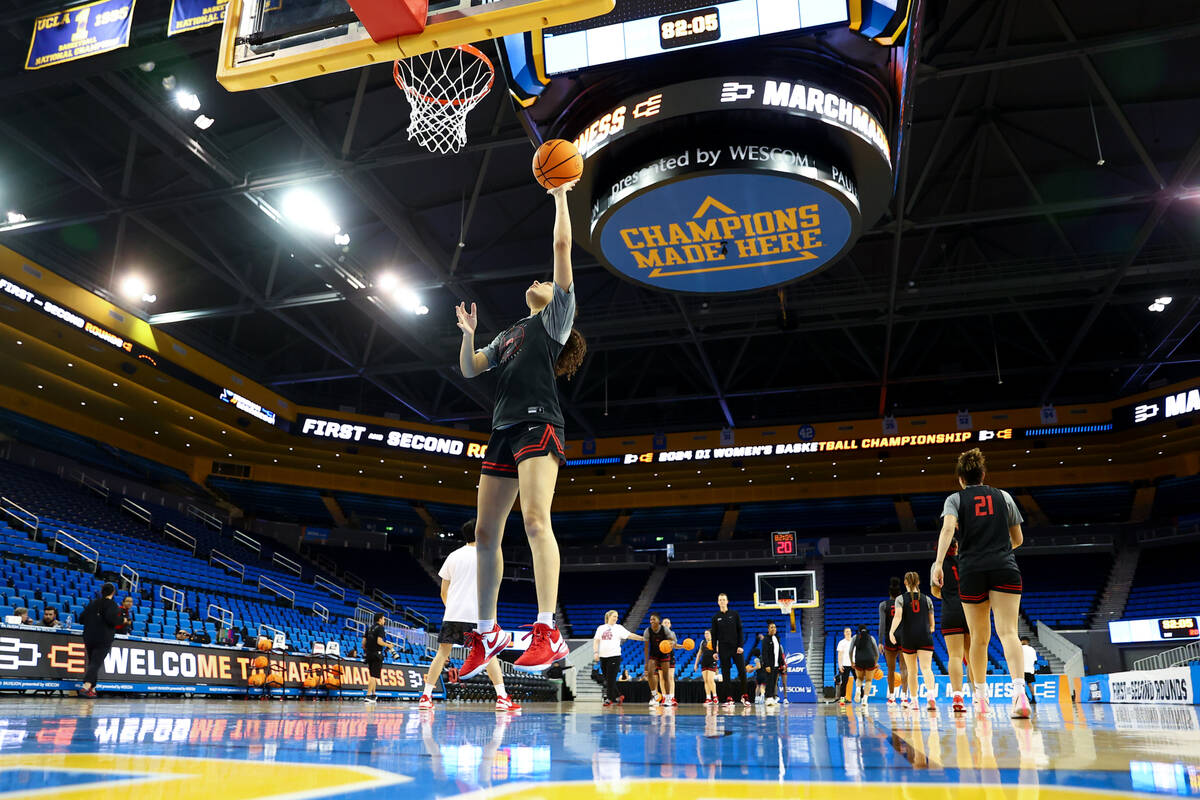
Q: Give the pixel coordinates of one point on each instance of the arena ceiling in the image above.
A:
(1012, 269)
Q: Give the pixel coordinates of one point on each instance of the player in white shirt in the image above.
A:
(459, 593)
(1030, 656)
(606, 650)
(844, 666)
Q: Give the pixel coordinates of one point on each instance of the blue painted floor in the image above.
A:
(236, 749)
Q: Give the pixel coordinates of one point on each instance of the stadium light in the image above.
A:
(14, 217)
(186, 100)
(203, 122)
(1164, 301)
(307, 210)
(1156, 306)
(387, 281)
(341, 239)
(133, 286)
(407, 299)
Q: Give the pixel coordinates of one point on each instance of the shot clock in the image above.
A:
(783, 544)
(689, 28)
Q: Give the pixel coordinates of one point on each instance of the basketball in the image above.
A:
(260, 662)
(275, 678)
(312, 681)
(877, 675)
(665, 646)
(708, 645)
(264, 643)
(557, 162)
(256, 679)
(689, 644)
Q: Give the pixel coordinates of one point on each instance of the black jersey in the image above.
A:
(656, 639)
(983, 522)
(887, 611)
(708, 658)
(950, 576)
(524, 358)
(914, 633)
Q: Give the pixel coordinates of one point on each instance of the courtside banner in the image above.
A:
(37, 658)
(80, 32)
(1174, 685)
(1047, 689)
(192, 15)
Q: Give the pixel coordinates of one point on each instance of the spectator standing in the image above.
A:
(100, 620)
(774, 660)
(844, 667)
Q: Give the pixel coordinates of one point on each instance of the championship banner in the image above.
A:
(192, 15)
(1174, 685)
(37, 658)
(80, 32)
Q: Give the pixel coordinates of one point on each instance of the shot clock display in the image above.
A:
(1134, 631)
(691, 27)
(1179, 628)
(783, 544)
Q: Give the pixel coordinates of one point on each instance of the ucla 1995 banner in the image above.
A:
(80, 32)
(192, 15)
(37, 658)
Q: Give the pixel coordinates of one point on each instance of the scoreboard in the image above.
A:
(1134, 631)
(783, 544)
(638, 28)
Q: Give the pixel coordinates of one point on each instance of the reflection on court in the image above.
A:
(185, 749)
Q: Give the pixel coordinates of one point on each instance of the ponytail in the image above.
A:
(571, 357)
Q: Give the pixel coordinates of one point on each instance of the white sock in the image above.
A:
(429, 689)
(545, 618)
(500, 690)
(980, 690)
(1018, 689)
(485, 625)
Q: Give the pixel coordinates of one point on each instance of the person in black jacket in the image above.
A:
(774, 661)
(729, 637)
(100, 620)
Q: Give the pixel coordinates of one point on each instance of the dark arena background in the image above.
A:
(819, 249)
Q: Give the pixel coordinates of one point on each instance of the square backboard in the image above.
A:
(799, 585)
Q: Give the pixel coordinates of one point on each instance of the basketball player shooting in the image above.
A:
(526, 448)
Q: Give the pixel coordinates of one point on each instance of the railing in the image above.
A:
(89, 482)
(21, 515)
(356, 625)
(354, 581)
(278, 589)
(222, 615)
(329, 586)
(247, 541)
(133, 508)
(78, 547)
(175, 532)
(321, 611)
(1070, 654)
(365, 606)
(384, 599)
(204, 518)
(1177, 657)
(130, 578)
(231, 564)
(170, 595)
(287, 563)
(271, 630)
(1167, 534)
(324, 563)
(416, 617)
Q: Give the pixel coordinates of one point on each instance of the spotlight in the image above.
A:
(341, 239)
(407, 299)
(422, 311)
(146, 66)
(133, 287)
(186, 100)
(168, 82)
(203, 123)
(14, 217)
(387, 281)
(1164, 301)
(307, 210)
(1159, 307)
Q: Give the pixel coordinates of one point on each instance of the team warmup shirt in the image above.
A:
(950, 571)
(984, 517)
(609, 638)
(726, 628)
(656, 640)
(913, 632)
(462, 599)
(708, 658)
(524, 355)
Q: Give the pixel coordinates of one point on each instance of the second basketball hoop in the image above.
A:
(442, 87)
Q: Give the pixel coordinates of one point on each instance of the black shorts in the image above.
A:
(973, 587)
(375, 666)
(666, 662)
(953, 620)
(452, 632)
(511, 446)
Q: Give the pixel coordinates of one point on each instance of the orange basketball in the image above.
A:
(557, 162)
(264, 643)
(708, 645)
(260, 662)
(275, 677)
(878, 674)
(333, 680)
(689, 644)
(666, 646)
(312, 681)
(257, 679)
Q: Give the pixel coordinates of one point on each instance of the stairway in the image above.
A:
(1116, 590)
(586, 689)
(812, 622)
(633, 620)
(1027, 631)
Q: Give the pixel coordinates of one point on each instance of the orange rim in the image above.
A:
(466, 48)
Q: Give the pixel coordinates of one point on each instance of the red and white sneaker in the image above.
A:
(506, 703)
(1021, 708)
(981, 704)
(621, 700)
(931, 706)
(959, 706)
(746, 701)
(425, 703)
(546, 647)
(671, 703)
(484, 647)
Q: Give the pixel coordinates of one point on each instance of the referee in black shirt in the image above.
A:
(728, 637)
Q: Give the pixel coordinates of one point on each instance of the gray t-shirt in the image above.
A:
(558, 317)
(1014, 513)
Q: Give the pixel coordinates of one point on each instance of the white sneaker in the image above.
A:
(425, 703)
(369, 699)
(771, 701)
(1020, 707)
(654, 700)
(786, 702)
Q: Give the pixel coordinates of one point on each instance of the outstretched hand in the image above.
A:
(467, 321)
(561, 191)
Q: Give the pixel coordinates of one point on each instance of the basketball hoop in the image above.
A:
(442, 87)
(787, 606)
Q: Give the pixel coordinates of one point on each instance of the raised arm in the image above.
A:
(563, 276)
(471, 361)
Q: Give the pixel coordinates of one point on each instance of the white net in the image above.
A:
(442, 87)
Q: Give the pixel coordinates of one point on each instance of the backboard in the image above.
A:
(269, 42)
(798, 585)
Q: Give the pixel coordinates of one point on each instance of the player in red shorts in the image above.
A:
(660, 666)
(526, 448)
(891, 652)
(708, 669)
(954, 624)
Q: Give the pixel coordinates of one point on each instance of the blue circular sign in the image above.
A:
(716, 232)
(806, 433)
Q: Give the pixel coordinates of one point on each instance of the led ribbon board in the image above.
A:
(1158, 409)
(336, 430)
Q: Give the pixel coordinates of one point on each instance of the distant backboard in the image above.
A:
(268, 42)
(797, 585)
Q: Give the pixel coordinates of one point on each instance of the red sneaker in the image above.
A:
(506, 703)
(607, 703)
(672, 703)
(546, 647)
(484, 648)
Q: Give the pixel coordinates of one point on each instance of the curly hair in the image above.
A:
(971, 466)
(571, 357)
